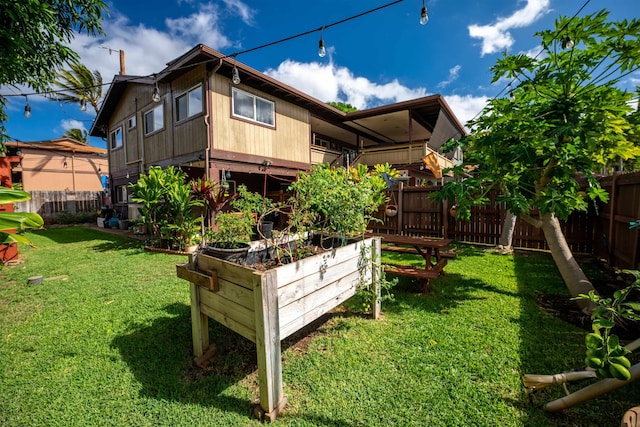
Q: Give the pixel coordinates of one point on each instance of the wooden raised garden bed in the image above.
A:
(268, 306)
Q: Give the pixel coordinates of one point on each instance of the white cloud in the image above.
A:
(69, 124)
(466, 107)
(203, 26)
(535, 52)
(496, 37)
(148, 50)
(244, 11)
(453, 75)
(328, 82)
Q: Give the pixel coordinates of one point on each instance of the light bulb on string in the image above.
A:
(424, 16)
(83, 105)
(568, 43)
(322, 52)
(156, 94)
(27, 108)
(235, 75)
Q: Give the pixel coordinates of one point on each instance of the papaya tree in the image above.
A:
(564, 118)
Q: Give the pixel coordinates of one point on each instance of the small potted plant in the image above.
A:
(258, 207)
(228, 237)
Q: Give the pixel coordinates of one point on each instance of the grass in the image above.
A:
(107, 341)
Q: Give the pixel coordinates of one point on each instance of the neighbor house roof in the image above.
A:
(59, 144)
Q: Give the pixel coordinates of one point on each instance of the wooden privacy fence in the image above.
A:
(615, 241)
(50, 203)
(603, 230)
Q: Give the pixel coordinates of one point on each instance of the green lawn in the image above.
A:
(107, 341)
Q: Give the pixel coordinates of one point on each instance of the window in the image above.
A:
(116, 138)
(121, 194)
(154, 120)
(253, 108)
(131, 123)
(189, 103)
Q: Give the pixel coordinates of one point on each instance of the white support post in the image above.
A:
(199, 323)
(376, 274)
(272, 399)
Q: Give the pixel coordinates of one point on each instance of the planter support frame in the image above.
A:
(268, 306)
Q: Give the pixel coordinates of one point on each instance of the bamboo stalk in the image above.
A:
(537, 382)
(592, 391)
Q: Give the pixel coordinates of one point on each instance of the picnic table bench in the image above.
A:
(429, 248)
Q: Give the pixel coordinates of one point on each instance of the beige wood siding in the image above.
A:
(319, 155)
(288, 140)
(189, 134)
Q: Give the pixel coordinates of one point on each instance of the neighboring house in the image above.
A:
(59, 174)
(258, 131)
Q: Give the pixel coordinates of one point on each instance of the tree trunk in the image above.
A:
(506, 236)
(572, 274)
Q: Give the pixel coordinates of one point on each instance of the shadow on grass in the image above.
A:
(160, 356)
(447, 292)
(548, 341)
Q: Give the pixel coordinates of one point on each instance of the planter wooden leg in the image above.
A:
(199, 323)
(376, 273)
(272, 399)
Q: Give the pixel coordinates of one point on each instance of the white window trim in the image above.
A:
(253, 120)
(115, 130)
(187, 93)
(144, 119)
(132, 119)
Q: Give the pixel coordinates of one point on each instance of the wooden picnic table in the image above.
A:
(432, 250)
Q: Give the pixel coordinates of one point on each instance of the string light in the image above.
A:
(233, 55)
(322, 52)
(424, 17)
(83, 105)
(156, 94)
(235, 75)
(27, 108)
(567, 43)
(64, 165)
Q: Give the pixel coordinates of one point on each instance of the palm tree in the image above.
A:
(80, 85)
(79, 135)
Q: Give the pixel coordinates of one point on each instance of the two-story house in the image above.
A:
(215, 117)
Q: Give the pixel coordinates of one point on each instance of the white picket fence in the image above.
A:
(49, 203)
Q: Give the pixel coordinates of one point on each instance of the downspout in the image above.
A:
(207, 117)
(173, 128)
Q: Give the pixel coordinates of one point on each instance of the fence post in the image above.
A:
(400, 208)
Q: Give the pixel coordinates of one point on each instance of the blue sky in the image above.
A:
(380, 58)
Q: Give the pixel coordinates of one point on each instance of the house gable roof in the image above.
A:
(401, 122)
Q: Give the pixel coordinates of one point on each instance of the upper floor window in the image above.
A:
(131, 123)
(115, 138)
(154, 120)
(189, 103)
(252, 107)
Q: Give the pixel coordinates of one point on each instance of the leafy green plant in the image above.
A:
(18, 221)
(230, 229)
(253, 203)
(167, 205)
(604, 352)
(339, 201)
